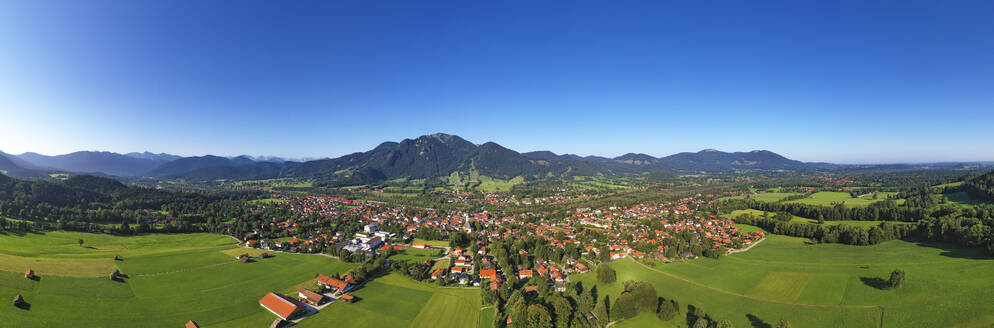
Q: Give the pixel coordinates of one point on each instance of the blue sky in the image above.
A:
(848, 82)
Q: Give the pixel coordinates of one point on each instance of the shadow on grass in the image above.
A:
(756, 322)
(878, 283)
(23, 306)
(954, 251)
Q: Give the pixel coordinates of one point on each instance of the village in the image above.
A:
(484, 249)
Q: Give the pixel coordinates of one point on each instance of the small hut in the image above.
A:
(244, 258)
(264, 255)
(18, 300)
(113, 275)
(30, 274)
(192, 324)
(117, 257)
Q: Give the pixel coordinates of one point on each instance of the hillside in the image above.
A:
(981, 187)
(429, 156)
(93, 162)
(190, 164)
(715, 161)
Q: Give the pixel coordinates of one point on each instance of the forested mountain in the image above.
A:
(93, 162)
(429, 156)
(438, 155)
(13, 166)
(190, 164)
(714, 161)
(981, 187)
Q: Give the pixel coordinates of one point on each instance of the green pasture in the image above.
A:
(397, 301)
(766, 197)
(798, 219)
(825, 285)
(415, 254)
(167, 280)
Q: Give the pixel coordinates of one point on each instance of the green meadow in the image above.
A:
(824, 285)
(169, 279)
(397, 301)
(766, 197)
(415, 254)
(798, 219)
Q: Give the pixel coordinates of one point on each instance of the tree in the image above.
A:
(627, 305)
(701, 323)
(520, 316)
(783, 323)
(606, 274)
(80, 242)
(602, 311)
(725, 324)
(562, 308)
(538, 316)
(667, 310)
(645, 297)
(897, 279)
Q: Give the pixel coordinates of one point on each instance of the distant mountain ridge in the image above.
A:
(429, 156)
(92, 162)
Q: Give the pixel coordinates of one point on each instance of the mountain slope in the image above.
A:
(717, 161)
(981, 187)
(189, 164)
(93, 162)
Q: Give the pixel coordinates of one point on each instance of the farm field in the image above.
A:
(834, 197)
(798, 219)
(397, 301)
(169, 280)
(766, 197)
(415, 254)
(433, 243)
(826, 285)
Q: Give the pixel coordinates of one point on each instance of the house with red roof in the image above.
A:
(310, 296)
(341, 285)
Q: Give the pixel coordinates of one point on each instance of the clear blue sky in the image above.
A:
(851, 81)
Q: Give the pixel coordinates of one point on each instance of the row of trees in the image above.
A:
(839, 233)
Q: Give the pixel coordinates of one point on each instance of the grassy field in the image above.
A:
(487, 317)
(415, 254)
(646, 319)
(766, 197)
(963, 199)
(170, 279)
(433, 243)
(828, 198)
(398, 301)
(826, 285)
(798, 219)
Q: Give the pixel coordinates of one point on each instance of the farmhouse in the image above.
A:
(310, 296)
(341, 285)
(280, 305)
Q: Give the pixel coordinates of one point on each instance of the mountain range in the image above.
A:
(428, 156)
